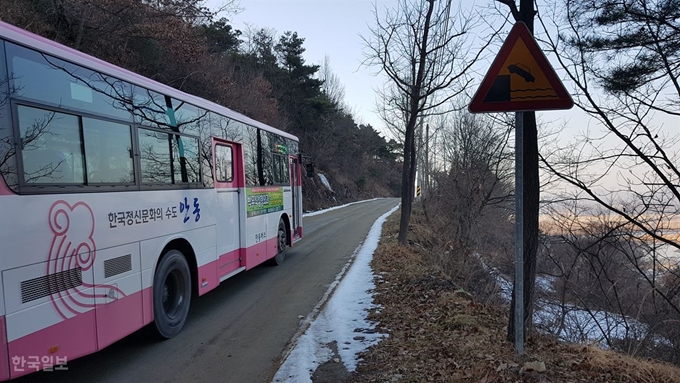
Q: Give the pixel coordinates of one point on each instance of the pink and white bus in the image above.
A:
(120, 199)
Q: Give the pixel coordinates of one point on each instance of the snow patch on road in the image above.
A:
(343, 318)
(311, 214)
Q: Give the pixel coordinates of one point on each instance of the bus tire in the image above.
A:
(281, 245)
(171, 294)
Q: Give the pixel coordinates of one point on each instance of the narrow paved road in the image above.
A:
(238, 332)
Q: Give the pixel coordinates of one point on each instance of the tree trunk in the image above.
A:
(409, 169)
(406, 184)
(426, 168)
(80, 31)
(414, 168)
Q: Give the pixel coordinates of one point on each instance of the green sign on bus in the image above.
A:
(263, 200)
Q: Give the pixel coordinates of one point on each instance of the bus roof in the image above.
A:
(44, 45)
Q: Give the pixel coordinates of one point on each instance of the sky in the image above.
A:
(334, 28)
(340, 316)
(329, 27)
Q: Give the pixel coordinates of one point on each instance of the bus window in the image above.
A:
(265, 158)
(185, 160)
(162, 165)
(280, 159)
(108, 149)
(51, 148)
(291, 146)
(149, 108)
(250, 149)
(154, 157)
(224, 170)
(226, 128)
(190, 119)
(55, 82)
(281, 170)
(7, 154)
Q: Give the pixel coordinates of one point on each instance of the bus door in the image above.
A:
(229, 182)
(296, 185)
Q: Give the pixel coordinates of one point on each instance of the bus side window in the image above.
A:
(155, 160)
(51, 148)
(107, 148)
(46, 166)
(281, 170)
(168, 158)
(224, 160)
(185, 160)
(250, 149)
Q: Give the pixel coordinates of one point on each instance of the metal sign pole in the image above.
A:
(519, 233)
(495, 95)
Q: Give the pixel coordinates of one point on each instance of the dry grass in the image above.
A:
(629, 369)
(439, 333)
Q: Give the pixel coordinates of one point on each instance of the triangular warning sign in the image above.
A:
(520, 79)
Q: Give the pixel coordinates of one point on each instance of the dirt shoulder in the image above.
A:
(440, 333)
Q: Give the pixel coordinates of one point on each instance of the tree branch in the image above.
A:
(513, 8)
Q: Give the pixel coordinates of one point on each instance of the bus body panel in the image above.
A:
(147, 296)
(98, 221)
(228, 262)
(25, 317)
(4, 190)
(100, 309)
(122, 316)
(209, 260)
(4, 353)
(272, 230)
(56, 344)
(119, 312)
(228, 224)
(201, 240)
(113, 307)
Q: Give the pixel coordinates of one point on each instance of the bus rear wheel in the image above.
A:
(171, 294)
(281, 244)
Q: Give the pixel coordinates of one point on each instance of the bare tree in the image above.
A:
(478, 179)
(229, 7)
(630, 168)
(471, 203)
(602, 281)
(419, 46)
(622, 59)
(331, 86)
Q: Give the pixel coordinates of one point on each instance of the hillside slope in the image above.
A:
(440, 333)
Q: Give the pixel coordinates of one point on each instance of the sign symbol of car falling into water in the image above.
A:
(521, 70)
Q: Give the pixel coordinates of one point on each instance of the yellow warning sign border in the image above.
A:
(520, 31)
